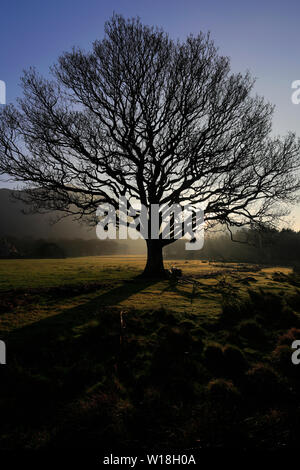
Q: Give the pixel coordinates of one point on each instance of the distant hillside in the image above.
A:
(13, 223)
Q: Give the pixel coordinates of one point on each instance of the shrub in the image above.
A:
(269, 429)
(266, 302)
(288, 337)
(177, 340)
(213, 355)
(170, 359)
(233, 311)
(251, 330)
(282, 359)
(294, 301)
(174, 273)
(197, 335)
(287, 318)
(161, 315)
(273, 309)
(235, 362)
(152, 397)
(96, 418)
(264, 384)
(179, 387)
(232, 337)
(199, 332)
(222, 390)
(187, 325)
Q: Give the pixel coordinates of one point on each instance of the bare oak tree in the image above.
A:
(154, 120)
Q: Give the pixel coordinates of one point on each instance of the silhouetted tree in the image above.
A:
(155, 120)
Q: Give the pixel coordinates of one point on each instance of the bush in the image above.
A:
(222, 390)
(273, 309)
(96, 418)
(213, 355)
(228, 360)
(197, 335)
(264, 384)
(235, 362)
(233, 311)
(170, 359)
(176, 340)
(162, 315)
(187, 325)
(232, 337)
(287, 338)
(287, 318)
(175, 273)
(152, 397)
(251, 330)
(294, 301)
(282, 359)
(269, 430)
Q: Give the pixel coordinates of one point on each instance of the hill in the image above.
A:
(14, 223)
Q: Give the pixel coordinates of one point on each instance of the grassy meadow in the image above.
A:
(97, 357)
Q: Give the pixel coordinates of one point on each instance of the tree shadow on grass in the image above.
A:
(51, 362)
(65, 322)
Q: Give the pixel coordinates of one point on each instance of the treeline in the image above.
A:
(264, 247)
(267, 247)
(12, 247)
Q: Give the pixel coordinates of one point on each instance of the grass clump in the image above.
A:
(264, 385)
(235, 310)
(213, 356)
(273, 309)
(235, 363)
(287, 338)
(226, 361)
(222, 390)
(281, 358)
(251, 330)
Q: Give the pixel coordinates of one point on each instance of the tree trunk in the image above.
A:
(155, 264)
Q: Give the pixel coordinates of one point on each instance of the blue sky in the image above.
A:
(262, 36)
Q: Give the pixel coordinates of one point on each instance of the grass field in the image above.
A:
(95, 354)
(34, 289)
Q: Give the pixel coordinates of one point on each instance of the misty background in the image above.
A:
(35, 236)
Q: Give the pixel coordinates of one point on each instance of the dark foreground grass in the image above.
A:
(107, 373)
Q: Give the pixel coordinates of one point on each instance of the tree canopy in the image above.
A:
(152, 119)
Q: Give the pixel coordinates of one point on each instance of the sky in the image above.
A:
(261, 36)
